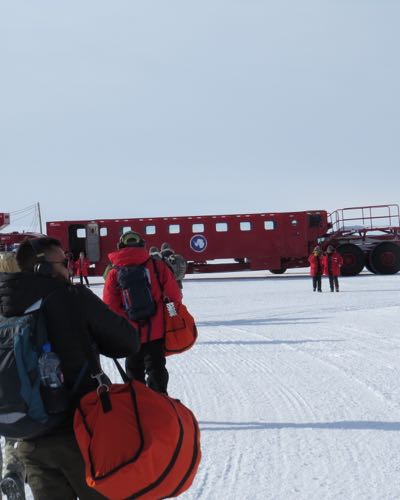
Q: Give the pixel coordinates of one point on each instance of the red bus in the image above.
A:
(210, 243)
(366, 236)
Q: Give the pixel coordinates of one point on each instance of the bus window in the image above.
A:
(314, 220)
(125, 229)
(103, 231)
(245, 226)
(221, 227)
(174, 228)
(81, 232)
(269, 225)
(197, 228)
(150, 230)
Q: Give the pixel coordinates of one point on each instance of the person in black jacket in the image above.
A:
(54, 466)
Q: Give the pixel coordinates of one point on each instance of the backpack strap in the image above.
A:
(157, 273)
(41, 336)
(92, 362)
(40, 332)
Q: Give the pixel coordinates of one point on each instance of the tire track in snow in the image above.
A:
(283, 396)
(222, 393)
(298, 407)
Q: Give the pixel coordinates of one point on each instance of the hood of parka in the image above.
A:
(129, 256)
(18, 291)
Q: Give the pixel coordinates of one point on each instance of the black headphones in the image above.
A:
(42, 266)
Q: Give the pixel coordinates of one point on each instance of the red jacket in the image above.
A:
(336, 262)
(82, 267)
(316, 265)
(134, 256)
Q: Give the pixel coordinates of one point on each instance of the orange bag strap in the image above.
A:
(165, 299)
(93, 362)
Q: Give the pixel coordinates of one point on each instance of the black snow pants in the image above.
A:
(317, 283)
(81, 278)
(149, 361)
(333, 283)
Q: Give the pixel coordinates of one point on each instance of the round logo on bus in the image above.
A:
(198, 243)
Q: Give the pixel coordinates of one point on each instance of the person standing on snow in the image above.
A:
(82, 268)
(70, 265)
(175, 262)
(316, 268)
(12, 484)
(53, 462)
(332, 262)
(157, 282)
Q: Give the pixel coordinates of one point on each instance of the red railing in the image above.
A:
(365, 218)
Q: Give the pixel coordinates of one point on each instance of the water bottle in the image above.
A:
(52, 388)
(49, 368)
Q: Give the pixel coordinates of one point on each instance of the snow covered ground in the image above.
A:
(297, 393)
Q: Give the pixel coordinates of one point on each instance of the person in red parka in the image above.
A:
(332, 263)
(149, 365)
(82, 268)
(70, 266)
(316, 268)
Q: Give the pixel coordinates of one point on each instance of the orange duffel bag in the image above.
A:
(180, 328)
(137, 443)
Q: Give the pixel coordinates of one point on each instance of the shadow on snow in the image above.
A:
(367, 425)
(264, 342)
(260, 321)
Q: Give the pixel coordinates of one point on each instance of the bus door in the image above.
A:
(76, 239)
(92, 242)
(84, 238)
(296, 235)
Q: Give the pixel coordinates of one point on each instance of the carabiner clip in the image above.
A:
(101, 385)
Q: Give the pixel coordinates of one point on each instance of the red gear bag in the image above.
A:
(180, 329)
(137, 443)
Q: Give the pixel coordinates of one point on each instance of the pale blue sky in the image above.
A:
(152, 108)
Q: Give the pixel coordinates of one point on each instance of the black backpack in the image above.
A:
(137, 298)
(26, 408)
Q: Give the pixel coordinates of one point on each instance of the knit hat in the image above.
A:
(165, 246)
(130, 239)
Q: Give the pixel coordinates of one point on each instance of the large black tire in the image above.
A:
(353, 259)
(368, 265)
(385, 258)
(278, 271)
